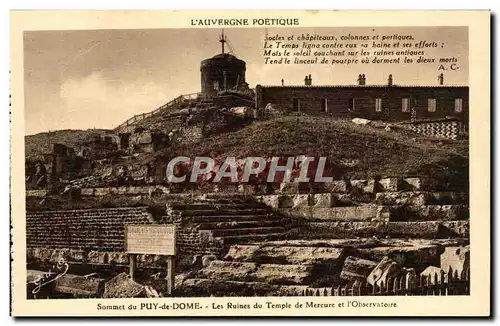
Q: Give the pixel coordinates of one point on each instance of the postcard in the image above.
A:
(250, 163)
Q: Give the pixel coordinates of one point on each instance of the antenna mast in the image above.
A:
(222, 40)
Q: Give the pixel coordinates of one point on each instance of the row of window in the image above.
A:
(405, 105)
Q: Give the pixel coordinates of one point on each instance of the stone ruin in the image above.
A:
(393, 236)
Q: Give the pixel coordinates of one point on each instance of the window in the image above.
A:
(405, 107)
(431, 105)
(296, 104)
(378, 105)
(324, 105)
(458, 105)
(352, 104)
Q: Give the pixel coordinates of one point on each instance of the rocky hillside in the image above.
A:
(38, 144)
(361, 151)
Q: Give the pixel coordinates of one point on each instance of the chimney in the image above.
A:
(308, 80)
(360, 79)
(364, 79)
(441, 79)
(389, 80)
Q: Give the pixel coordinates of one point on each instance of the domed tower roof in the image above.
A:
(223, 59)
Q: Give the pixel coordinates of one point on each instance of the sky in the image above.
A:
(99, 78)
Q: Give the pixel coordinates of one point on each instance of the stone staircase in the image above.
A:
(334, 240)
(227, 220)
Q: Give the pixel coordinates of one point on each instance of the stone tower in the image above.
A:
(221, 72)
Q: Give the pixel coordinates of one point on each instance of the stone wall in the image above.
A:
(450, 129)
(85, 229)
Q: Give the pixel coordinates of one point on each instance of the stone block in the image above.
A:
(299, 201)
(384, 214)
(456, 228)
(364, 185)
(352, 213)
(79, 286)
(87, 191)
(422, 183)
(355, 268)
(122, 286)
(385, 270)
(226, 188)
(389, 184)
(336, 186)
(286, 254)
(415, 199)
(206, 259)
(101, 191)
(283, 274)
(290, 188)
(325, 200)
(118, 258)
(96, 257)
(42, 254)
(405, 255)
(270, 200)
(223, 270)
(456, 259)
(353, 229)
(442, 213)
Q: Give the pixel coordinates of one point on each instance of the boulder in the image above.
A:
(389, 184)
(206, 259)
(405, 255)
(122, 286)
(283, 274)
(385, 270)
(355, 268)
(361, 121)
(286, 254)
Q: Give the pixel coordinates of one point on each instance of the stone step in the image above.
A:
(234, 239)
(367, 243)
(246, 231)
(423, 213)
(218, 212)
(353, 213)
(380, 213)
(344, 230)
(214, 206)
(231, 218)
(286, 255)
(239, 224)
(420, 198)
(198, 287)
(249, 271)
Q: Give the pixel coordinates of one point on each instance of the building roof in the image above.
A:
(223, 57)
(363, 86)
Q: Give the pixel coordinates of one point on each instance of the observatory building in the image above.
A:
(221, 72)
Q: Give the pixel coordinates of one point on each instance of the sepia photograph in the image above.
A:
(248, 158)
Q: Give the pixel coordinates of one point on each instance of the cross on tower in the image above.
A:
(222, 40)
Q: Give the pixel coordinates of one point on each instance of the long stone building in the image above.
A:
(390, 102)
